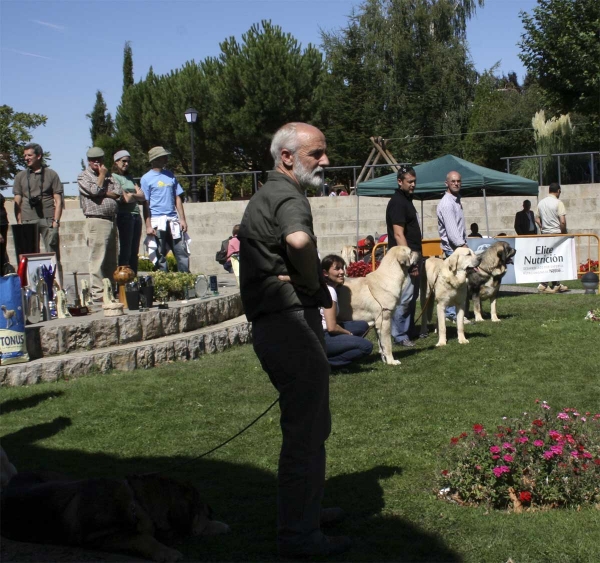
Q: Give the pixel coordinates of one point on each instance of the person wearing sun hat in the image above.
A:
(100, 195)
(163, 211)
(129, 220)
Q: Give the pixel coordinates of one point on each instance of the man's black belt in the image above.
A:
(99, 217)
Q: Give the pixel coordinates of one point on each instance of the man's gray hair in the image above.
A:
(285, 138)
(37, 149)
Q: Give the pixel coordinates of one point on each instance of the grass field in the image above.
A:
(390, 425)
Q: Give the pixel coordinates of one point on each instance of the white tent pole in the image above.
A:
(422, 233)
(357, 217)
(487, 223)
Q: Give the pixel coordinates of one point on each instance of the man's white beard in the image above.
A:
(306, 178)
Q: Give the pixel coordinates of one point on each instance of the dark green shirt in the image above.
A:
(275, 211)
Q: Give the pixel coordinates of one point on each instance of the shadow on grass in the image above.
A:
(13, 405)
(242, 495)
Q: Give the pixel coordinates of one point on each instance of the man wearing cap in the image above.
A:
(100, 195)
(163, 211)
(39, 199)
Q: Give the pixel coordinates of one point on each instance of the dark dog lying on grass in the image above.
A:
(136, 515)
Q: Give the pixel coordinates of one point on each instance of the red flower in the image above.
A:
(463, 435)
(454, 440)
(477, 428)
(444, 472)
(538, 422)
(525, 496)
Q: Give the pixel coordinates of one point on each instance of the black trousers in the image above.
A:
(291, 349)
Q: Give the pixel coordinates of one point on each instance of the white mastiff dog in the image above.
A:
(374, 297)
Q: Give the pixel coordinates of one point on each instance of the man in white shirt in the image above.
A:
(551, 216)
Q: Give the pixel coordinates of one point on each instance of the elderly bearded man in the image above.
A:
(282, 288)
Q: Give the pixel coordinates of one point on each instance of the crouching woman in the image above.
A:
(344, 341)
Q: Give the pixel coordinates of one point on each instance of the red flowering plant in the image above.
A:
(548, 460)
(359, 269)
(589, 266)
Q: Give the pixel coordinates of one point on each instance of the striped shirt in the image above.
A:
(451, 223)
(93, 198)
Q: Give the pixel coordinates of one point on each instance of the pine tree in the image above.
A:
(102, 122)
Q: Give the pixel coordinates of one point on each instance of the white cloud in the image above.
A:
(52, 25)
(26, 54)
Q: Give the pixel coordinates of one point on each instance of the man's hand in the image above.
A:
(102, 170)
(183, 225)
(150, 231)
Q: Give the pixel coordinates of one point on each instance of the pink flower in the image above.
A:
(563, 416)
(495, 449)
(583, 419)
(495, 457)
(523, 439)
(556, 449)
(478, 467)
(508, 458)
(575, 414)
(548, 454)
(538, 443)
(587, 455)
(574, 454)
(508, 446)
(498, 471)
(545, 406)
(554, 434)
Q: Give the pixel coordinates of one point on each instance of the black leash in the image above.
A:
(220, 445)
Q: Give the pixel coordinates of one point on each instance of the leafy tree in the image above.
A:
(15, 132)
(501, 104)
(561, 47)
(399, 69)
(255, 87)
(127, 66)
(102, 122)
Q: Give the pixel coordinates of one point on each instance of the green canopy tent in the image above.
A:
(476, 181)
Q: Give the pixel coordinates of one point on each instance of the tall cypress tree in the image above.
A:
(127, 67)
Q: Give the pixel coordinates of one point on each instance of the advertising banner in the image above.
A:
(545, 259)
(478, 245)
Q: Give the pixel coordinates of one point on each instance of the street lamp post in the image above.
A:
(190, 116)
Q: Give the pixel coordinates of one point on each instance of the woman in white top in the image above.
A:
(344, 342)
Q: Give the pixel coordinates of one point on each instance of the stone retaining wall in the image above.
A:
(129, 357)
(73, 335)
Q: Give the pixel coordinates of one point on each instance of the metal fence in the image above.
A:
(583, 167)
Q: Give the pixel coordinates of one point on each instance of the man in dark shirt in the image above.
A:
(403, 229)
(282, 288)
(39, 200)
(525, 220)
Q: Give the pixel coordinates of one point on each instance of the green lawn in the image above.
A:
(390, 424)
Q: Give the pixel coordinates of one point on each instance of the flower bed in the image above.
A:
(589, 266)
(551, 460)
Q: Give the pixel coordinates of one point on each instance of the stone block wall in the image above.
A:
(335, 222)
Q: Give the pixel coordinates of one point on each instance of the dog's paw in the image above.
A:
(496, 320)
(478, 319)
(214, 527)
(167, 555)
(394, 363)
(463, 341)
(441, 343)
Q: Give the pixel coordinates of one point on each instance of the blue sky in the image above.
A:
(55, 54)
